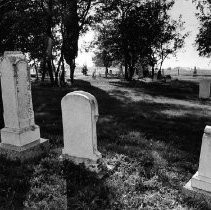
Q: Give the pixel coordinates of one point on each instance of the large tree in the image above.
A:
(105, 48)
(28, 26)
(114, 15)
(139, 30)
(203, 39)
(32, 26)
(76, 18)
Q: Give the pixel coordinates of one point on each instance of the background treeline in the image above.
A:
(128, 32)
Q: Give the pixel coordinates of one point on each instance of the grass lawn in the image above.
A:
(150, 133)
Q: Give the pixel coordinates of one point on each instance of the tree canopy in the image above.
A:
(129, 31)
(32, 26)
(137, 31)
(203, 41)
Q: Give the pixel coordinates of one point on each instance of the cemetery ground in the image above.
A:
(148, 133)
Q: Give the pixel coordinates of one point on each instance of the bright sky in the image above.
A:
(187, 57)
(85, 58)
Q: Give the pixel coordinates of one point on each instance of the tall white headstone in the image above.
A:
(20, 129)
(204, 88)
(79, 116)
(201, 182)
(202, 179)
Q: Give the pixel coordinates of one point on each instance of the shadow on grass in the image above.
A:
(14, 183)
(175, 89)
(150, 134)
(47, 107)
(84, 189)
(174, 124)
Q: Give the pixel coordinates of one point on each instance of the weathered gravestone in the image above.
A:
(204, 88)
(200, 184)
(79, 116)
(20, 132)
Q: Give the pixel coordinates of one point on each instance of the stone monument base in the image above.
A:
(201, 182)
(26, 152)
(20, 137)
(77, 160)
(197, 193)
(90, 164)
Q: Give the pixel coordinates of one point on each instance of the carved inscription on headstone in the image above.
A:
(24, 94)
(8, 85)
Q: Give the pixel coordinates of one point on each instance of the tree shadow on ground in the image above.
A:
(14, 183)
(176, 89)
(163, 138)
(84, 189)
(172, 123)
(137, 129)
(47, 107)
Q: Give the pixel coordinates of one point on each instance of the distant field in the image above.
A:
(183, 74)
(188, 75)
(100, 70)
(174, 72)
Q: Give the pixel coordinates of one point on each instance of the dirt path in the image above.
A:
(129, 95)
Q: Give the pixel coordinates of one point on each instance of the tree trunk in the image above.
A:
(106, 71)
(50, 71)
(72, 69)
(49, 41)
(56, 81)
(126, 69)
(153, 71)
(131, 68)
(120, 70)
(43, 67)
(57, 72)
(36, 69)
(70, 34)
(62, 77)
(131, 73)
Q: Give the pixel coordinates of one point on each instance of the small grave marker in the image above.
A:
(204, 88)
